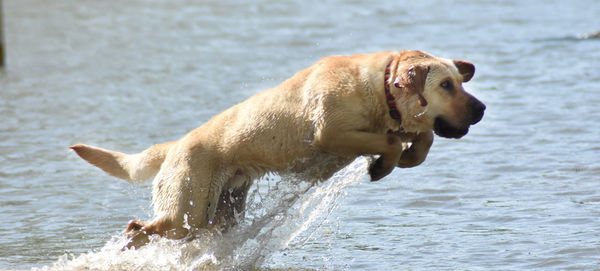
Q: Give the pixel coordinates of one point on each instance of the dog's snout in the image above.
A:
(477, 109)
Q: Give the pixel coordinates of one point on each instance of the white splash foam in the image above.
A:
(276, 214)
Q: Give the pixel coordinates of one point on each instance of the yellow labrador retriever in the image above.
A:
(387, 104)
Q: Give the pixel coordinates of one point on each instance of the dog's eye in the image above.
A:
(447, 85)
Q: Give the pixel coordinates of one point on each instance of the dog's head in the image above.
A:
(430, 96)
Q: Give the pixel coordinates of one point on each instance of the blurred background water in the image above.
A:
(521, 191)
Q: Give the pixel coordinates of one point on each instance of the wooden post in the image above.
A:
(2, 55)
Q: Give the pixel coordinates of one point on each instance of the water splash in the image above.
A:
(278, 211)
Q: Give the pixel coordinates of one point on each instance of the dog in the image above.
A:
(386, 105)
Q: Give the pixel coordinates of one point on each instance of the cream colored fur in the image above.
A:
(315, 123)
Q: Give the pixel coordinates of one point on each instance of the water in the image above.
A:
(521, 191)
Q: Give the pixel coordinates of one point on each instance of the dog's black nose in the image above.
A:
(477, 109)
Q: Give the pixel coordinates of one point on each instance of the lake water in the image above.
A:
(520, 191)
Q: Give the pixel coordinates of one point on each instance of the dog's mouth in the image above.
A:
(443, 128)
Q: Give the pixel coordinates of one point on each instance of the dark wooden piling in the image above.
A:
(2, 52)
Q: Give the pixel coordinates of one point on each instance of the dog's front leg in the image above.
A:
(358, 143)
(416, 154)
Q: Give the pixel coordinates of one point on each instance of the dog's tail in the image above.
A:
(131, 167)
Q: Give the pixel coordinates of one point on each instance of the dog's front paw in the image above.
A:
(377, 170)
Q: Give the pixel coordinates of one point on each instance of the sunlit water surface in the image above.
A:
(520, 191)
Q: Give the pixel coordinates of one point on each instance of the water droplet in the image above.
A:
(186, 224)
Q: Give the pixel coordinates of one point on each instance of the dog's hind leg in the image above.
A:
(231, 206)
(139, 231)
(137, 237)
(185, 195)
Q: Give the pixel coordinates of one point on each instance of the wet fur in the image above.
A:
(315, 123)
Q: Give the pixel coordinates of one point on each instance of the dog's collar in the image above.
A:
(391, 101)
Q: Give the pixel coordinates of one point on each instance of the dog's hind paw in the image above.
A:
(136, 239)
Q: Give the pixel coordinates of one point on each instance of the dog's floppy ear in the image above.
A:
(466, 69)
(412, 78)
